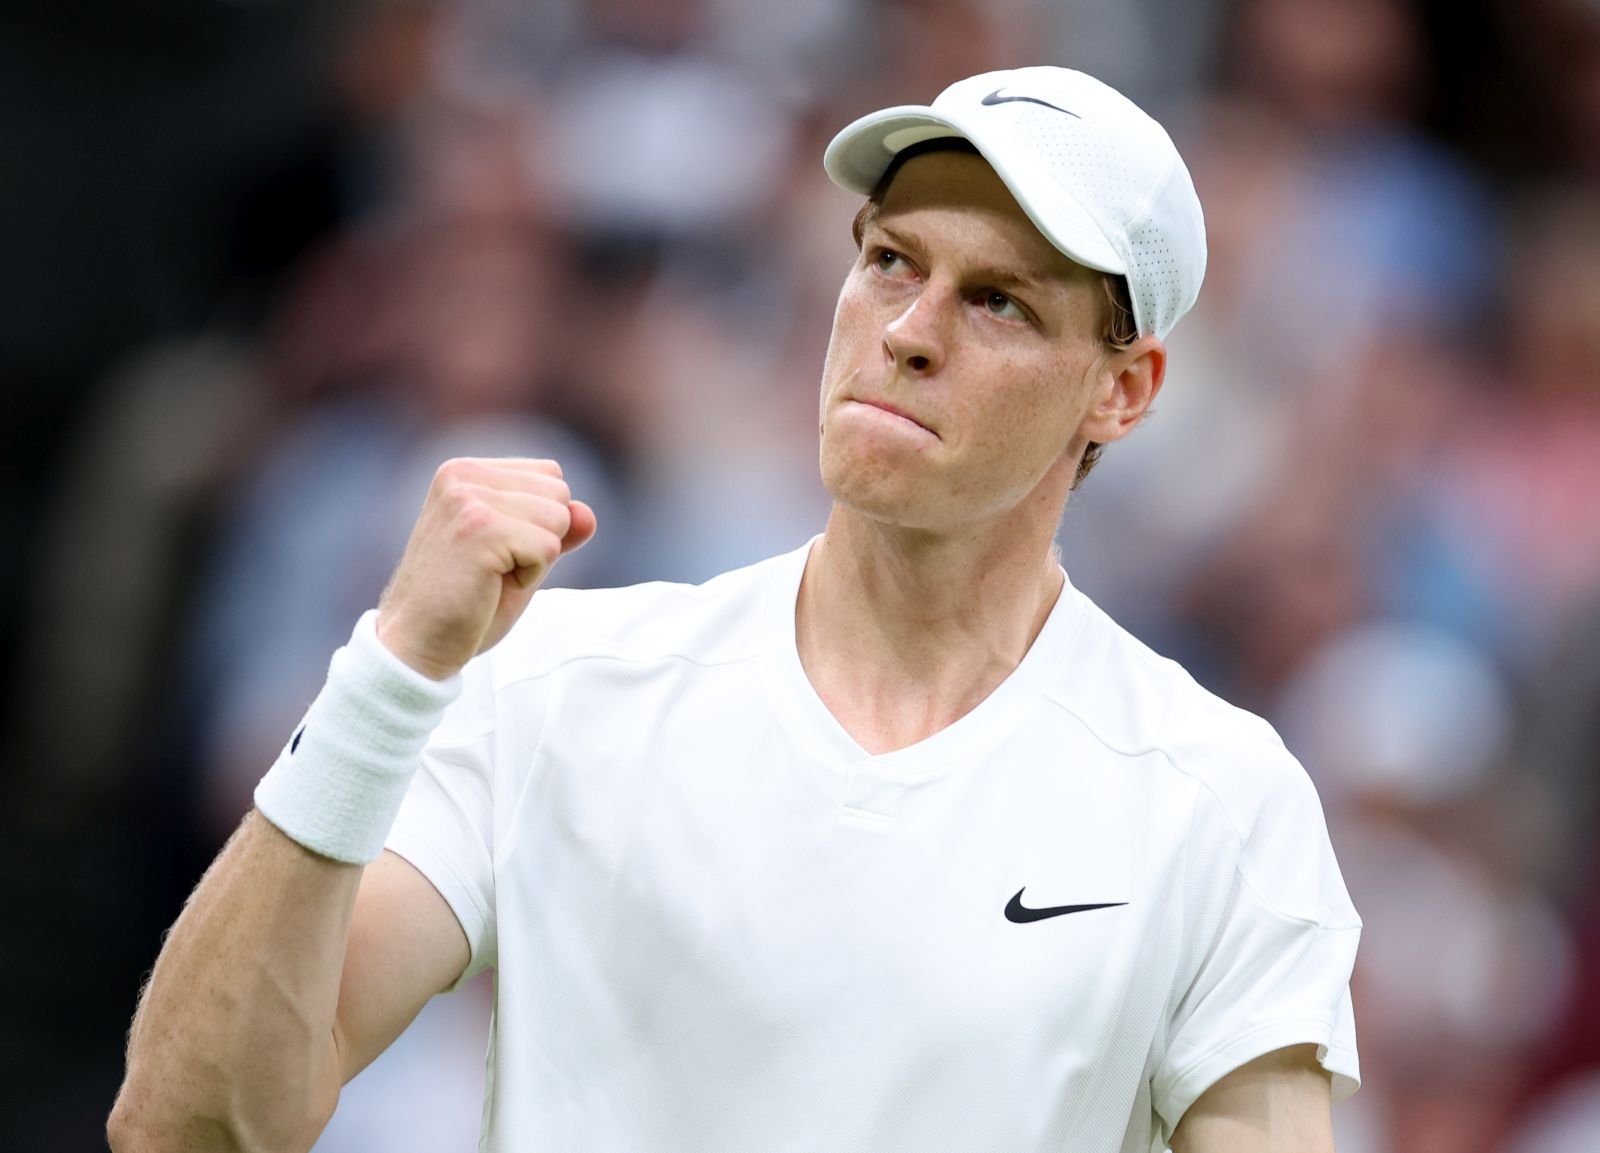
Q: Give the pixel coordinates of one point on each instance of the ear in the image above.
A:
(1129, 379)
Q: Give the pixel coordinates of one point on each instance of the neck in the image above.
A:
(902, 632)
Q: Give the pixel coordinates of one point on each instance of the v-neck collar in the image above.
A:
(993, 717)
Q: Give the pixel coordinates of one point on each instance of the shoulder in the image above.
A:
(714, 623)
(1254, 804)
(1139, 703)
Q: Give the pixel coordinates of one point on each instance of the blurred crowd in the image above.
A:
(268, 264)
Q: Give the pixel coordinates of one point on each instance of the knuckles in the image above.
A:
(481, 516)
(472, 518)
(452, 473)
(456, 482)
(548, 547)
(477, 502)
(473, 469)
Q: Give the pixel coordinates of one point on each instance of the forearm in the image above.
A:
(234, 1042)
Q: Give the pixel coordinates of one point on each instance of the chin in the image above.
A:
(892, 498)
(864, 493)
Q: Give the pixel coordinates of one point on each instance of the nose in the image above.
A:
(915, 340)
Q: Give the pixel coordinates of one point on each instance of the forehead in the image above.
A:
(956, 197)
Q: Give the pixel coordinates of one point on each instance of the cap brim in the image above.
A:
(860, 154)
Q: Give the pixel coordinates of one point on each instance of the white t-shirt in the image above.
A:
(717, 924)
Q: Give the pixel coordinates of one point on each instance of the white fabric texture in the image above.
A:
(719, 924)
(337, 784)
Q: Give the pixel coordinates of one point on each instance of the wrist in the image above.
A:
(339, 781)
(391, 638)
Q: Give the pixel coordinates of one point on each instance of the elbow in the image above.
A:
(132, 1129)
(119, 1129)
(138, 1125)
(126, 1135)
(126, 1128)
(190, 1104)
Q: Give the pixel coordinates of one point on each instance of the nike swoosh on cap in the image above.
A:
(1016, 912)
(995, 98)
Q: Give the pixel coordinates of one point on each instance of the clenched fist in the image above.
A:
(487, 535)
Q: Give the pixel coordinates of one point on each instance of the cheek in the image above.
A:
(855, 314)
(1022, 429)
(853, 321)
(1025, 406)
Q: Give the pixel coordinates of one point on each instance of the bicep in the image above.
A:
(1278, 1103)
(405, 946)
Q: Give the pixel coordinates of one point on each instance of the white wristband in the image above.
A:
(338, 783)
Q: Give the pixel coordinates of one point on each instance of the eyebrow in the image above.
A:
(993, 275)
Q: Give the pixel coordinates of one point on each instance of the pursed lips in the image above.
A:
(894, 411)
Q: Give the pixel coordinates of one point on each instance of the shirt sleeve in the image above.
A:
(1271, 940)
(445, 827)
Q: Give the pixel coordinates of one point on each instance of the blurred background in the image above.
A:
(267, 262)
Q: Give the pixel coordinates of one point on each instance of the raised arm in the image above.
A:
(289, 971)
(1278, 1103)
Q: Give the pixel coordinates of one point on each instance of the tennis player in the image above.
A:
(895, 842)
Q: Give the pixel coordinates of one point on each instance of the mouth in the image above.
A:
(892, 410)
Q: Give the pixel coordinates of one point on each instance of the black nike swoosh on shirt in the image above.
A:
(1016, 912)
(995, 98)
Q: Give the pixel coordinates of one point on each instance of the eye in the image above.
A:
(1001, 305)
(888, 261)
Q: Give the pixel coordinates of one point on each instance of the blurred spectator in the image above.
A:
(1464, 965)
(112, 575)
(1567, 1119)
(1347, 254)
(1519, 491)
(1385, 228)
(467, 320)
(1560, 753)
(338, 167)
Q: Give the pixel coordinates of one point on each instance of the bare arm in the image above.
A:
(244, 1038)
(1278, 1103)
(288, 972)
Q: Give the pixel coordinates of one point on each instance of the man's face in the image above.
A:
(965, 356)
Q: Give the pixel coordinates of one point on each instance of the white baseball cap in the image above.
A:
(1097, 176)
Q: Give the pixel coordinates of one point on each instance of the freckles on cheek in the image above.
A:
(1026, 418)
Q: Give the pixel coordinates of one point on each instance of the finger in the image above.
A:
(492, 477)
(500, 472)
(523, 551)
(581, 527)
(515, 471)
(546, 512)
(523, 464)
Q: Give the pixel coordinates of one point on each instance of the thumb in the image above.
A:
(583, 527)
